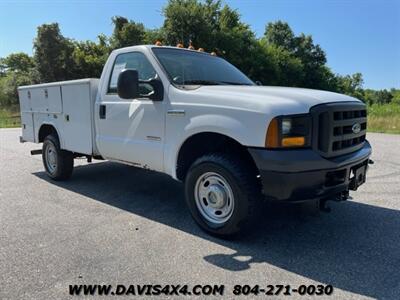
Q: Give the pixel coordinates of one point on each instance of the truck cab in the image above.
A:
(199, 119)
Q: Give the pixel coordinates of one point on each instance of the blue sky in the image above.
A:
(357, 35)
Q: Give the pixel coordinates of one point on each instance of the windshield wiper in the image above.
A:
(202, 82)
(212, 82)
(234, 83)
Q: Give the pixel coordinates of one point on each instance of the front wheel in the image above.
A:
(221, 193)
(58, 163)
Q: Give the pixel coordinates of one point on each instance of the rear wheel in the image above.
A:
(221, 193)
(58, 163)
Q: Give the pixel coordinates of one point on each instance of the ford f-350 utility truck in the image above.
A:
(196, 117)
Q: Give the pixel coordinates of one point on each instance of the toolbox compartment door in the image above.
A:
(77, 118)
(54, 102)
(46, 99)
(27, 127)
(26, 115)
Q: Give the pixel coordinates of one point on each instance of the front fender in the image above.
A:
(211, 123)
(225, 125)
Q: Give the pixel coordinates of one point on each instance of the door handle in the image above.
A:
(102, 111)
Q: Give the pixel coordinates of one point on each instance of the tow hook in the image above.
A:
(323, 206)
(345, 196)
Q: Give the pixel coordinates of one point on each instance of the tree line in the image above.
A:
(279, 57)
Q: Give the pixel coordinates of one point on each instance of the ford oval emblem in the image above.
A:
(356, 128)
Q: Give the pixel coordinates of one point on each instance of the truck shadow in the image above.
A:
(355, 248)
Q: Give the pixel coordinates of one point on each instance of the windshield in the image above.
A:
(197, 68)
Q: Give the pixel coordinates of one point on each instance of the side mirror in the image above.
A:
(128, 84)
(258, 83)
(158, 87)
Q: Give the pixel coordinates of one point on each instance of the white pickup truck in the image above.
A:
(196, 117)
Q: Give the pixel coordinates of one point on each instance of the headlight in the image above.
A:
(289, 131)
(286, 126)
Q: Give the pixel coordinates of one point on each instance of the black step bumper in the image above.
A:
(299, 175)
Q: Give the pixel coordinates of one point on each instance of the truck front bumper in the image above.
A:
(300, 175)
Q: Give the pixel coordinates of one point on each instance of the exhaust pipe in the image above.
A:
(36, 152)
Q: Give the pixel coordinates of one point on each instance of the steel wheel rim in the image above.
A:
(51, 158)
(214, 198)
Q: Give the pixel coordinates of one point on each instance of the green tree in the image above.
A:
(191, 20)
(154, 35)
(279, 33)
(17, 62)
(313, 58)
(16, 69)
(9, 85)
(280, 57)
(232, 38)
(215, 28)
(89, 57)
(396, 95)
(53, 54)
(381, 96)
(351, 85)
(301, 48)
(384, 96)
(279, 66)
(127, 33)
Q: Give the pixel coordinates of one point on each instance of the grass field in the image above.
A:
(381, 118)
(384, 118)
(9, 118)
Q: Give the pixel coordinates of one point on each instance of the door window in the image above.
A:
(136, 61)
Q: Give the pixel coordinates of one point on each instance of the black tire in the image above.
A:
(243, 184)
(64, 160)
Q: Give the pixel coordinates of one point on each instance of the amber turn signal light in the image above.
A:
(297, 141)
(272, 139)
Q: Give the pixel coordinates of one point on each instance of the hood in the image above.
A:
(268, 99)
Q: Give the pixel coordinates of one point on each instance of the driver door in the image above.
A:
(131, 131)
